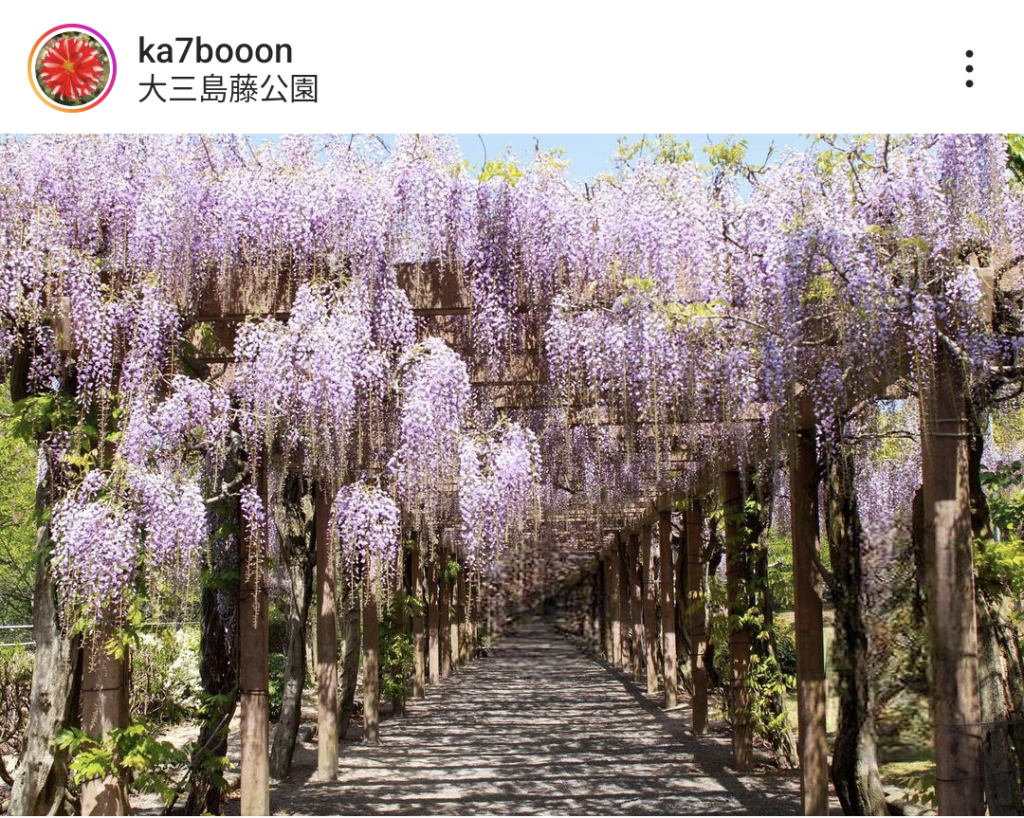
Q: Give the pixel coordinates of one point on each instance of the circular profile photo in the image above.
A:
(72, 68)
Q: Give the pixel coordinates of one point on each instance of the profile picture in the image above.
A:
(72, 68)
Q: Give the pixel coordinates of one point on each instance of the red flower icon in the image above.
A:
(71, 68)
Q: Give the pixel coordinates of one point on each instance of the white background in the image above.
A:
(527, 66)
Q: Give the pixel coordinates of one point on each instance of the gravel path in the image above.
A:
(537, 727)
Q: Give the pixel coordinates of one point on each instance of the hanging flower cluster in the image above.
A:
(195, 417)
(151, 326)
(118, 529)
(435, 405)
(499, 492)
(171, 519)
(365, 527)
(96, 553)
(306, 383)
(669, 311)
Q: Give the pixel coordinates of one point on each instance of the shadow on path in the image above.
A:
(538, 727)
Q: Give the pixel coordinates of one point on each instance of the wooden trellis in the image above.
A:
(442, 305)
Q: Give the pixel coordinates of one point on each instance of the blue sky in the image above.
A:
(590, 154)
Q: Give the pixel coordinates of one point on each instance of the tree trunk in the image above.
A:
(761, 486)
(350, 638)
(218, 670)
(999, 663)
(53, 702)
(1002, 784)
(294, 518)
(737, 570)
(218, 645)
(854, 753)
(681, 578)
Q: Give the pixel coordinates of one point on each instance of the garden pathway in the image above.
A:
(536, 727)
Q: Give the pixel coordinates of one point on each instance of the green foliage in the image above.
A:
(507, 169)
(727, 155)
(15, 685)
(17, 520)
(396, 661)
(663, 149)
(166, 686)
(785, 649)
(214, 711)
(780, 572)
(278, 628)
(132, 755)
(918, 779)
(396, 651)
(1000, 558)
(450, 570)
(275, 687)
(1015, 156)
(42, 415)
(772, 645)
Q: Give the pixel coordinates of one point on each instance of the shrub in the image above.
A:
(785, 647)
(275, 686)
(278, 628)
(15, 686)
(166, 685)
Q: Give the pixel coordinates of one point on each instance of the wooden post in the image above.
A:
(460, 626)
(326, 644)
(668, 609)
(738, 581)
(636, 607)
(812, 746)
(371, 659)
(681, 578)
(419, 679)
(444, 616)
(433, 623)
(254, 668)
(615, 605)
(949, 561)
(696, 617)
(625, 603)
(455, 622)
(474, 618)
(650, 608)
(104, 708)
(608, 643)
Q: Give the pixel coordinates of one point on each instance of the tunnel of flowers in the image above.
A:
(425, 400)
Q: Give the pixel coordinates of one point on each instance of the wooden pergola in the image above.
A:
(619, 570)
